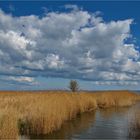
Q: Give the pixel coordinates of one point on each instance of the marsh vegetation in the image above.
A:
(40, 113)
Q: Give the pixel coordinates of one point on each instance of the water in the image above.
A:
(112, 123)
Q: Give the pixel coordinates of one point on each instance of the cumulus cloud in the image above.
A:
(20, 80)
(74, 44)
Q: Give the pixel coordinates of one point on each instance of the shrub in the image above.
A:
(73, 85)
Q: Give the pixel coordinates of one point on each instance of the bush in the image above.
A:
(73, 85)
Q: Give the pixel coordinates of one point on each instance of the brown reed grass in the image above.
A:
(37, 113)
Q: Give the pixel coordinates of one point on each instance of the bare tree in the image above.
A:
(73, 85)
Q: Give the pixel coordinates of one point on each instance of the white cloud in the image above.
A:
(74, 7)
(21, 79)
(76, 44)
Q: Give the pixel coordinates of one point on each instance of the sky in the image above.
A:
(45, 44)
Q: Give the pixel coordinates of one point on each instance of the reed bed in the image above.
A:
(38, 113)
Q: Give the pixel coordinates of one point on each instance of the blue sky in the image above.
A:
(45, 44)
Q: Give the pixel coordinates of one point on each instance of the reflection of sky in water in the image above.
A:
(114, 126)
(111, 124)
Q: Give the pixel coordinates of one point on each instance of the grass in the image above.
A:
(37, 113)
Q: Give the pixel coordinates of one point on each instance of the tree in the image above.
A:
(73, 85)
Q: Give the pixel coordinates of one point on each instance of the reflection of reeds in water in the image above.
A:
(109, 112)
(134, 126)
(69, 128)
(40, 113)
(134, 131)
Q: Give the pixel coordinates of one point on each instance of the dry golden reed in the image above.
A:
(36, 113)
